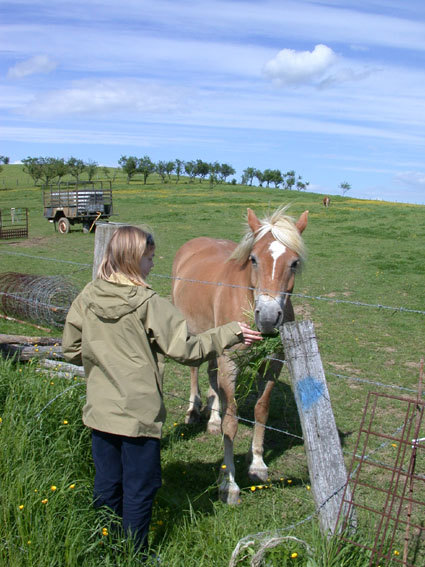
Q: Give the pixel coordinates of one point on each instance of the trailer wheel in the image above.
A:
(63, 225)
(86, 227)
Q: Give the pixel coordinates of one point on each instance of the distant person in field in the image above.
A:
(326, 201)
(120, 330)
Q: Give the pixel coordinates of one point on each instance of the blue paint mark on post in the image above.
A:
(309, 391)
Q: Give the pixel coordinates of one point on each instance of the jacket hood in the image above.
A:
(114, 300)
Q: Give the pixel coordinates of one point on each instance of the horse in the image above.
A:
(326, 201)
(216, 281)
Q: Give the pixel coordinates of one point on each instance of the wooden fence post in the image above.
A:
(104, 231)
(328, 475)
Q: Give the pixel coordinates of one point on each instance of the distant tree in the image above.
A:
(190, 169)
(344, 186)
(277, 178)
(179, 168)
(259, 177)
(91, 168)
(61, 169)
(215, 170)
(169, 168)
(33, 167)
(289, 179)
(106, 172)
(302, 185)
(202, 169)
(248, 175)
(129, 165)
(225, 171)
(76, 167)
(5, 160)
(161, 170)
(268, 176)
(146, 167)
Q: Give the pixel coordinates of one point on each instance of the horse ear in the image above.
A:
(253, 222)
(302, 222)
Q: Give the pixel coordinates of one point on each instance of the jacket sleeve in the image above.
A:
(72, 333)
(168, 329)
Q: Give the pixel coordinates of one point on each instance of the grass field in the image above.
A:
(361, 255)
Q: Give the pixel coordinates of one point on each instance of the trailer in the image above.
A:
(68, 204)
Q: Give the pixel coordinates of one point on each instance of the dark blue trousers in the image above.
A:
(128, 475)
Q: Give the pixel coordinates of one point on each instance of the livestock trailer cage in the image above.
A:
(14, 223)
(85, 203)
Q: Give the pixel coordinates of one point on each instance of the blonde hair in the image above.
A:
(124, 253)
(282, 228)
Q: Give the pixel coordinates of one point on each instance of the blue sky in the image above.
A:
(333, 89)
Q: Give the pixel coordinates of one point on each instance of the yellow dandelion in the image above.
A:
(253, 488)
(21, 506)
(53, 488)
(35, 489)
(393, 444)
(260, 486)
(308, 487)
(223, 466)
(175, 424)
(294, 555)
(396, 552)
(1, 420)
(104, 531)
(29, 542)
(160, 522)
(52, 383)
(72, 486)
(65, 422)
(36, 349)
(289, 481)
(44, 501)
(281, 479)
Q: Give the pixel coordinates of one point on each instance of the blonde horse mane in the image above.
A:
(283, 229)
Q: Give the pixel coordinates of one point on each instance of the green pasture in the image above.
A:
(363, 256)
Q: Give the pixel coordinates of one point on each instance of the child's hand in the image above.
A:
(249, 335)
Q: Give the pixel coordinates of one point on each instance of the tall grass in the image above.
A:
(358, 251)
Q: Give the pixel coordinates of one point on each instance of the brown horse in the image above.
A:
(217, 281)
(326, 201)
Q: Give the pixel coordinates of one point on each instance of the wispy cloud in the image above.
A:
(106, 97)
(33, 66)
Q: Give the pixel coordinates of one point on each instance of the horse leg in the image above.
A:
(193, 414)
(228, 490)
(213, 400)
(258, 469)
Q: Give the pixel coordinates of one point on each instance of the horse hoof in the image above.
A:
(214, 428)
(258, 475)
(192, 417)
(230, 495)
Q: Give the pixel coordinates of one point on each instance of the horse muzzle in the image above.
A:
(268, 314)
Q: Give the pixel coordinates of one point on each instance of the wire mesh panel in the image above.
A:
(14, 223)
(41, 299)
(387, 480)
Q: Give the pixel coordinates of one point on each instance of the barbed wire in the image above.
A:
(399, 309)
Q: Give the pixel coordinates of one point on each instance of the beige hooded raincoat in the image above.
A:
(120, 333)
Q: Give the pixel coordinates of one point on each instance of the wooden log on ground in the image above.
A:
(23, 339)
(62, 368)
(28, 352)
(328, 474)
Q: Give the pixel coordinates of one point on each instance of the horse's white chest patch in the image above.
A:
(276, 250)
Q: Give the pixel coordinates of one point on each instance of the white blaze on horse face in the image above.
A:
(276, 250)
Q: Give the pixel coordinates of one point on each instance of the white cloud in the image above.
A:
(105, 97)
(290, 67)
(33, 66)
(411, 178)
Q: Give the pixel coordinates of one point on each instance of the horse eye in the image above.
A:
(253, 260)
(295, 266)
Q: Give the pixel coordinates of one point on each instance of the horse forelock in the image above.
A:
(283, 229)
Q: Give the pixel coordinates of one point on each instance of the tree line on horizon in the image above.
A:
(47, 170)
